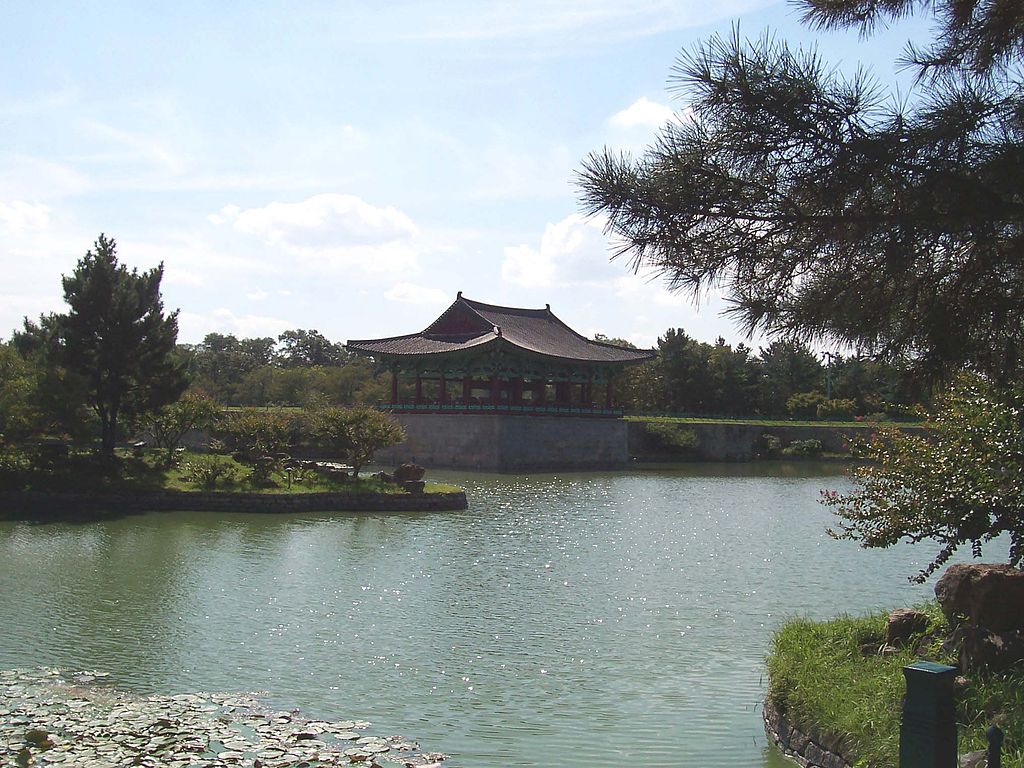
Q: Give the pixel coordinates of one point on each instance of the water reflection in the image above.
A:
(561, 619)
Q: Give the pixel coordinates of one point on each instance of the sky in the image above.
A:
(350, 166)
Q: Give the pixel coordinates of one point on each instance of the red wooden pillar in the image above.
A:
(467, 389)
(419, 389)
(495, 391)
(443, 396)
(394, 387)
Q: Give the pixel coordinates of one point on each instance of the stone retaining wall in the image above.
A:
(44, 505)
(807, 750)
(508, 443)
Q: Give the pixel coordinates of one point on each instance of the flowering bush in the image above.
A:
(960, 483)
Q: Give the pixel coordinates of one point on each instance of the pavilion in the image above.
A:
(484, 357)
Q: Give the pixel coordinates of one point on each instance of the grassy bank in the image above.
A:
(828, 677)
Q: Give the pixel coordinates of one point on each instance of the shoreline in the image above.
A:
(53, 506)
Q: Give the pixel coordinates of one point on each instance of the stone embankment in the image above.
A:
(46, 505)
(807, 749)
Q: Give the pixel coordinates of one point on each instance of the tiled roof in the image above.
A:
(468, 323)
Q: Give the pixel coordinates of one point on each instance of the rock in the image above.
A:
(409, 472)
(814, 754)
(976, 759)
(413, 486)
(990, 595)
(995, 652)
(869, 649)
(904, 623)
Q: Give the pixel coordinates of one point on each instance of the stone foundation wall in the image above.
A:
(506, 443)
(807, 750)
(42, 505)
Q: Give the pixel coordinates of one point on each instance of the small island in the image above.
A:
(76, 486)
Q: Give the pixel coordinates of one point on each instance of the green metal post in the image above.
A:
(928, 727)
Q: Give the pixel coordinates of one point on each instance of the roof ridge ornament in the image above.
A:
(497, 330)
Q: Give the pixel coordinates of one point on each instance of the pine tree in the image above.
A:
(827, 209)
(115, 336)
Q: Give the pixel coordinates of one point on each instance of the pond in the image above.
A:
(570, 620)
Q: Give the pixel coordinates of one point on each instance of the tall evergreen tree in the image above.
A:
(827, 209)
(117, 337)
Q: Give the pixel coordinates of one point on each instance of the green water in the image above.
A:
(566, 620)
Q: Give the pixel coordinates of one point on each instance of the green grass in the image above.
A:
(819, 678)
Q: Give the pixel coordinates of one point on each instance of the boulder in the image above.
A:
(994, 652)
(989, 595)
(409, 472)
(904, 623)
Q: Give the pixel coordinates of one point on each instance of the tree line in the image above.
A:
(300, 368)
(785, 379)
(60, 376)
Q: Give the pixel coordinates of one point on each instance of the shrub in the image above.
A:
(14, 465)
(193, 410)
(803, 448)
(804, 405)
(958, 484)
(255, 432)
(355, 434)
(900, 412)
(836, 410)
(209, 472)
(671, 437)
(771, 446)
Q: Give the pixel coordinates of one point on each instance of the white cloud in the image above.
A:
(193, 327)
(528, 267)
(182, 277)
(332, 232)
(572, 251)
(190, 259)
(258, 295)
(327, 220)
(409, 293)
(18, 217)
(643, 113)
(227, 213)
